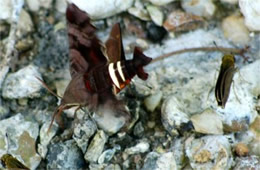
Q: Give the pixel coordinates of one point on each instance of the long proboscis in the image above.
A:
(221, 49)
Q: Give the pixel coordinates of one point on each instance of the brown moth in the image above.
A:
(225, 78)
(98, 71)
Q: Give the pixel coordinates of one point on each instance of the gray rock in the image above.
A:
(22, 83)
(22, 136)
(45, 137)
(204, 8)
(108, 122)
(61, 5)
(83, 132)
(156, 161)
(250, 11)
(173, 115)
(4, 111)
(235, 30)
(96, 146)
(161, 2)
(208, 122)
(156, 14)
(25, 24)
(107, 155)
(249, 162)
(140, 147)
(36, 5)
(209, 152)
(153, 101)
(65, 156)
(139, 129)
(107, 8)
(139, 11)
(6, 9)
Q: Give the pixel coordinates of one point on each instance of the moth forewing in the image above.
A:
(225, 78)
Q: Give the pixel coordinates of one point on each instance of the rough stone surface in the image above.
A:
(138, 148)
(22, 84)
(208, 122)
(36, 5)
(153, 101)
(96, 147)
(45, 137)
(156, 14)
(210, 152)
(65, 156)
(250, 10)
(161, 2)
(235, 30)
(21, 140)
(204, 8)
(82, 133)
(105, 9)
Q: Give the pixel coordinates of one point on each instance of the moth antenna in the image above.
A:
(46, 87)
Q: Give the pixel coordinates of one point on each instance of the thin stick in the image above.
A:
(222, 49)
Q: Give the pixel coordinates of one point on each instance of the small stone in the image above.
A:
(203, 156)
(235, 30)
(141, 147)
(153, 101)
(250, 10)
(241, 149)
(139, 129)
(160, 2)
(109, 122)
(209, 152)
(22, 136)
(172, 115)
(25, 24)
(6, 9)
(113, 167)
(36, 5)
(142, 43)
(65, 155)
(107, 155)
(230, 1)
(155, 33)
(139, 13)
(106, 9)
(96, 147)
(181, 21)
(83, 131)
(22, 83)
(45, 137)
(151, 124)
(156, 161)
(4, 111)
(208, 122)
(203, 8)
(156, 14)
(61, 5)
(250, 162)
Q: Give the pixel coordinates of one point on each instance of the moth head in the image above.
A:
(228, 59)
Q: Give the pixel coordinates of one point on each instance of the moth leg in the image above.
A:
(235, 92)
(58, 111)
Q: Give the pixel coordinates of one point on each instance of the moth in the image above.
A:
(98, 72)
(10, 162)
(225, 78)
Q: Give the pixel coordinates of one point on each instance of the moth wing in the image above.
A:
(218, 94)
(85, 48)
(114, 45)
(226, 84)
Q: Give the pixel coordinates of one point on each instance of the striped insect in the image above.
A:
(225, 78)
(98, 71)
